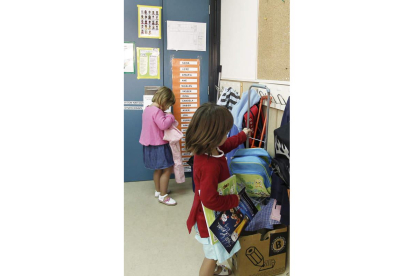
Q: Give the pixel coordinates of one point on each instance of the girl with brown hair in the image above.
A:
(206, 138)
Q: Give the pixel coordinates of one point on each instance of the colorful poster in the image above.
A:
(186, 88)
(148, 63)
(149, 21)
(129, 58)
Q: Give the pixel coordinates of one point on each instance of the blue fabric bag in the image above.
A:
(240, 108)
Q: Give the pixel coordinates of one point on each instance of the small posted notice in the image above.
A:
(148, 63)
(149, 21)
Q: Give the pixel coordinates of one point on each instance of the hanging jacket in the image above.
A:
(286, 113)
(238, 116)
(229, 98)
(241, 107)
(279, 189)
(174, 135)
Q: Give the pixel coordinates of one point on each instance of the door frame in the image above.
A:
(214, 47)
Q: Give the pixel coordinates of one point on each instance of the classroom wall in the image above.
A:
(176, 10)
(133, 91)
(238, 41)
(248, 53)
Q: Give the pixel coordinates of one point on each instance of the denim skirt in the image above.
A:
(158, 157)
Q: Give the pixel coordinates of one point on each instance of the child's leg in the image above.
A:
(164, 179)
(157, 176)
(207, 267)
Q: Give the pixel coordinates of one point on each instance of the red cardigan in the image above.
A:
(208, 172)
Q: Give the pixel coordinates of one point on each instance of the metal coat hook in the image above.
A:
(274, 99)
(282, 99)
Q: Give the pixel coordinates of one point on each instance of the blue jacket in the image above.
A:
(241, 107)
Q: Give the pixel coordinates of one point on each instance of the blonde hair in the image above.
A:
(210, 123)
(164, 97)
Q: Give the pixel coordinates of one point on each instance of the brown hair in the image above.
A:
(164, 97)
(207, 128)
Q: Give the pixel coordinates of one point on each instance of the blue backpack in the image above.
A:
(251, 167)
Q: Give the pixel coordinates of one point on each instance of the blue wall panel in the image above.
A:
(177, 10)
(193, 11)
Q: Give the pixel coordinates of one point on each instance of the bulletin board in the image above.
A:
(273, 61)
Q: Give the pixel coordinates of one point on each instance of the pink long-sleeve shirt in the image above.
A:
(154, 122)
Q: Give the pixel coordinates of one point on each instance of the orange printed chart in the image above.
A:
(186, 88)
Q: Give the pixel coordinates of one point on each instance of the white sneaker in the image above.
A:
(167, 200)
(157, 194)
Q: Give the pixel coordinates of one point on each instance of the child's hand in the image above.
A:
(247, 130)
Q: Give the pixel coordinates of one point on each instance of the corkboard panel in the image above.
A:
(273, 61)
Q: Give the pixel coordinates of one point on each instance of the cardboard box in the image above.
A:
(261, 255)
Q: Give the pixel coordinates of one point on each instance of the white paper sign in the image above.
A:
(188, 110)
(133, 102)
(188, 96)
(148, 101)
(129, 58)
(187, 62)
(188, 100)
(153, 65)
(133, 108)
(188, 91)
(143, 65)
(188, 80)
(191, 69)
(186, 36)
(188, 105)
(187, 115)
(188, 86)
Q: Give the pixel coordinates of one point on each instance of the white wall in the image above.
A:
(238, 56)
(238, 48)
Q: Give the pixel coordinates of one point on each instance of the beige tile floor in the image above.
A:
(156, 240)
